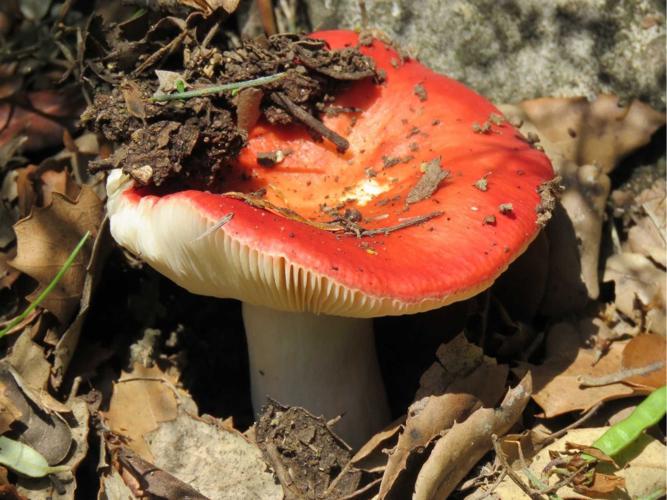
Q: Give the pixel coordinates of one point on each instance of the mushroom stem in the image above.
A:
(325, 364)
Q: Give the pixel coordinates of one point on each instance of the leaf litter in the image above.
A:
(599, 317)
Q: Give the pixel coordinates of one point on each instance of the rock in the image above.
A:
(521, 49)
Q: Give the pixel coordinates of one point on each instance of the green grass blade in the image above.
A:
(61, 272)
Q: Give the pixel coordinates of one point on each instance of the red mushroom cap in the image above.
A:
(417, 123)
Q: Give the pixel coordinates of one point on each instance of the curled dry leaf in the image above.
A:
(642, 351)
(639, 288)
(29, 359)
(642, 469)
(44, 488)
(371, 457)
(557, 381)
(466, 443)
(584, 140)
(460, 382)
(45, 240)
(649, 235)
(600, 132)
(42, 429)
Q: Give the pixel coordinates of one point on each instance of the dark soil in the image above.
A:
(190, 141)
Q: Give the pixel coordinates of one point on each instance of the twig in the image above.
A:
(310, 121)
(511, 472)
(563, 482)
(368, 487)
(413, 221)
(619, 376)
(216, 89)
(558, 434)
(282, 473)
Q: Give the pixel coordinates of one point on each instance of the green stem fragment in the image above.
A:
(216, 89)
(25, 459)
(624, 433)
(61, 272)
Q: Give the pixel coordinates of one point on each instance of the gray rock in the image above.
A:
(511, 50)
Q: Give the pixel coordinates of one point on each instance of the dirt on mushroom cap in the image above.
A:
(189, 142)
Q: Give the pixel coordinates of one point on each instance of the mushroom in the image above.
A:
(435, 197)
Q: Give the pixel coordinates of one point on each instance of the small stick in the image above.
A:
(420, 219)
(216, 89)
(511, 472)
(558, 434)
(310, 121)
(619, 376)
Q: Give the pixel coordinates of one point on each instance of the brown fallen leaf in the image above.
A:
(67, 343)
(218, 462)
(57, 181)
(466, 443)
(639, 284)
(153, 480)
(557, 380)
(29, 359)
(643, 468)
(25, 189)
(9, 413)
(642, 351)
(649, 236)
(600, 132)
(46, 238)
(44, 488)
(585, 141)
(460, 382)
(603, 484)
(45, 430)
(45, 128)
(141, 400)
(371, 457)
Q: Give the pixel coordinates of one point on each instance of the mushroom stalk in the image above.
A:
(325, 364)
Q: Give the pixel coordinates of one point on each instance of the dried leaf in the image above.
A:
(29, 360)
(603, 484)
(599, 132)
(644, 350)
(556, 381)
(41, 132)
(45, 240)
(371, 457)
(154, 480)
(139, 403)
(44, 430)
(470, 380)
(9, 413)
(45, 489)
(196, 450)
(466, 443)
(434, 174)
(67, 343)
(643, 468)
(638, 283)
(584, 141)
